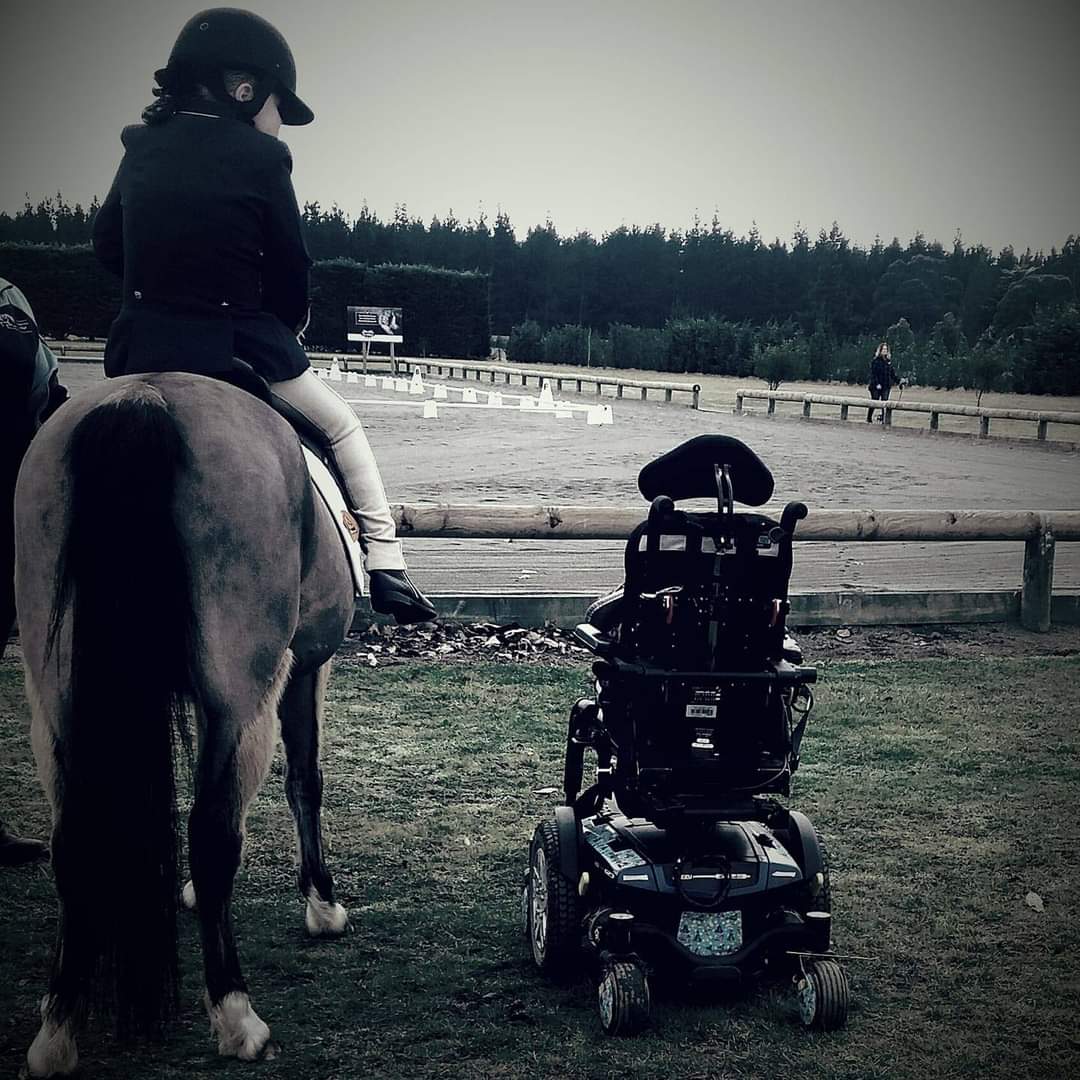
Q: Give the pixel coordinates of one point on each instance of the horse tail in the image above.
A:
(123, 593)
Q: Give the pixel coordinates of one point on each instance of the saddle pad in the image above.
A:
(346, 524)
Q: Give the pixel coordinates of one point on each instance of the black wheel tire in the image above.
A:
(553, 918)
(822, 899)
(824, 994)
(623, 997)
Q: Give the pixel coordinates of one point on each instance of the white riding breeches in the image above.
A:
(345, 441)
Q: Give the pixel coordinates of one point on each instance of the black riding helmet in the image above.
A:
(228, 38)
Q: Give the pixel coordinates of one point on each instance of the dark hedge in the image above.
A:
(445, 312)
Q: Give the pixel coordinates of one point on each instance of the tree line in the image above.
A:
(808, 307)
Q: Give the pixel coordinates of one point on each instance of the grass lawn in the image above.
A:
(944, 789)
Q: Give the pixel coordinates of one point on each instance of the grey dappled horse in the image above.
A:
(171, 552)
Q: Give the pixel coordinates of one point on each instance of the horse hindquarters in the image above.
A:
(107, 676)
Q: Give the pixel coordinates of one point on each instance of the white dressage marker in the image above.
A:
(547, 399)
(387, 383)
(335, 372)
(417, 384)
(494, 399)
(431, 410)
(439, 393)
(468, 396)
(401, 386)
(352, 377)
(370, 380)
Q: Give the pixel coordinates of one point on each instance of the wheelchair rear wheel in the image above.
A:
(553, 921)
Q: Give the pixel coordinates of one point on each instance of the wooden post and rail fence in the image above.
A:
(508, 372)
(936, 409)
(1039, 531)
(86, 350)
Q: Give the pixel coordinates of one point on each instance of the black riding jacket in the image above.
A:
(202, 224)
(882, 373)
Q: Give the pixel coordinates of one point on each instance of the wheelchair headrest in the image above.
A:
(689, 471)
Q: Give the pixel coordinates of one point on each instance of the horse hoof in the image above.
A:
(240, 1033)
(187, 896)
(324, 918)
(53, 1051)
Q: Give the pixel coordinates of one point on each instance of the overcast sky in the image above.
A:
(888, 116)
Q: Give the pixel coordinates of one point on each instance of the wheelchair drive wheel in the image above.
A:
(623, 996)
(824, 994)
(551, 906)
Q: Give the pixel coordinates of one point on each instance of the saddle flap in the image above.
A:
(344, 521)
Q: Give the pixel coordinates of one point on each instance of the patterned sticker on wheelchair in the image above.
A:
(711, 933)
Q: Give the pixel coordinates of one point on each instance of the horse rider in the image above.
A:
(202, 223)
(30, 390)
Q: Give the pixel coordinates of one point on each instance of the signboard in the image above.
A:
(380, 324)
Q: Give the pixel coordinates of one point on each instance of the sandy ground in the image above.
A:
(479, 455)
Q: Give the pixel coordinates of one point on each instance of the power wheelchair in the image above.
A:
(679, 858)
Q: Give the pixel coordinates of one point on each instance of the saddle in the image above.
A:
(320, 467)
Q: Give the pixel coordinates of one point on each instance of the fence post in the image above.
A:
(507, 378)
(934, 420)
(772, 406)
(697, 397)
(579, 386)
(644, 393)
(886, 417)
(599, 388)
(1042, 429)
(738, 403)
(558, 385)
(806, 408)
(618, 389)
(984, 426)
(492, 379)
(667, 394)
(1037, 594)
(843, 412)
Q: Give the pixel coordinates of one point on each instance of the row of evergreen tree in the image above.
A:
(815, 295)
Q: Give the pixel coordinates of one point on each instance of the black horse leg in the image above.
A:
(301, 718)
(214, 839)
(228, 774)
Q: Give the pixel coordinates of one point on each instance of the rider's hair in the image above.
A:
(183, 88)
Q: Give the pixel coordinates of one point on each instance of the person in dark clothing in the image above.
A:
(30, 391)
(882, 379)
(201, 222)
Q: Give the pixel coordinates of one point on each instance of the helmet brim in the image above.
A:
(292, 110)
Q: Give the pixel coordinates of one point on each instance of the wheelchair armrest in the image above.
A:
(595, 641)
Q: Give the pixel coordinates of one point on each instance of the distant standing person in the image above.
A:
(882, 379)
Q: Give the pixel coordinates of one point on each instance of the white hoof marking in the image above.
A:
(53, 1051)
(187, 896)
(323, 918)
(240, 1033)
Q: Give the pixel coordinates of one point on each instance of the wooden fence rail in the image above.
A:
(448, 367)
(1038, 530)
(936, 409)
(93, 350)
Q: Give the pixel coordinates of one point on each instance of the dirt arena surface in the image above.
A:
(506, 456)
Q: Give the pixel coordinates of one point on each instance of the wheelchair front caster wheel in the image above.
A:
(623, 996)
(823, 993)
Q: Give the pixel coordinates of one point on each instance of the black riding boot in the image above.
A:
(393, 593)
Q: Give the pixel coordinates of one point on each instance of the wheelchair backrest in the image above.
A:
(706, 591)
